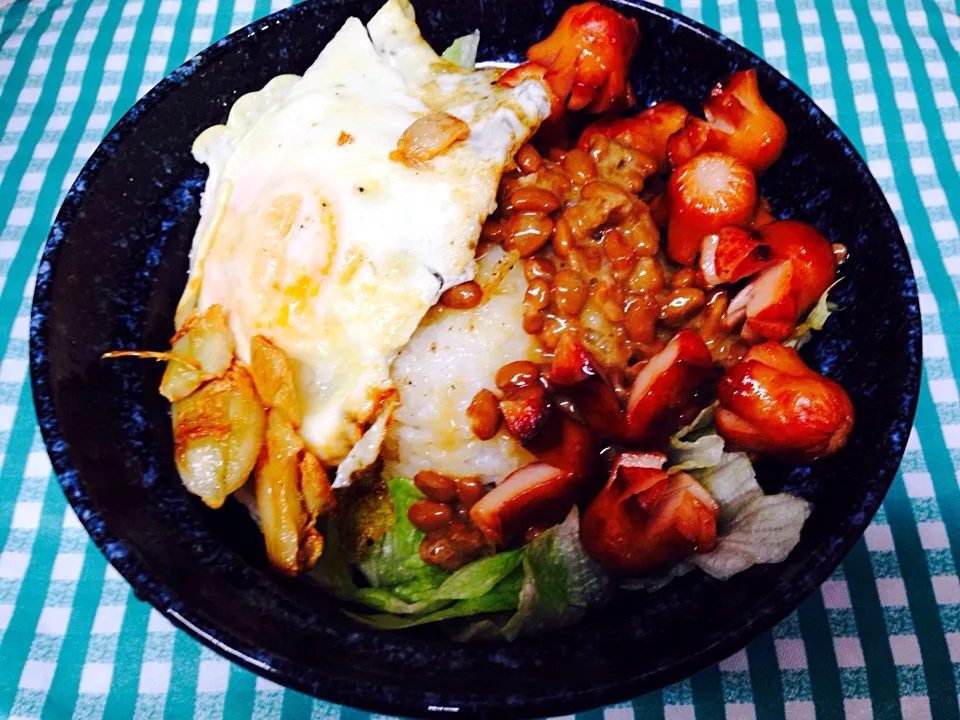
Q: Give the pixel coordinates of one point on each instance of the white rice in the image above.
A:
(453, 355)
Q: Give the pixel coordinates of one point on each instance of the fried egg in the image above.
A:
(312, 236)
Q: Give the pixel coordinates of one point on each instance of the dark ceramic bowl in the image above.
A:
(116, 263)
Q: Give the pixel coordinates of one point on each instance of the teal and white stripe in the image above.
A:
(880, 639)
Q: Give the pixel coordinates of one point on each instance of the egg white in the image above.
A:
(312, 236)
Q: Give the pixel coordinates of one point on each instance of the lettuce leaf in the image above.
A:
(550, 582)
(332, 572)
(731, 482)
(463, 51)
(502, 596)
(765, 531)
(386, 601)
(479, 577)
(561, 582)
(815, 320)
(754, 528)
(695, 446)
(394, 561)
(406, 588)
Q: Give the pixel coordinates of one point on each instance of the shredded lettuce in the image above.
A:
(463, 51)
(754, 528)
(333, 574)
(561, 582)
(394, 560)
(388, 602)
(696, 445)
(551, 582)
(405, 589)
(815, 320)
(479, 577)
(332, 571)
(502, 596)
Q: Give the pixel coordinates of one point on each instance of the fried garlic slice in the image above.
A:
(292, 491)
(205, 345)
(217, 434)
(429, 136)
(273, 377)
(278, 495)
(318, 497)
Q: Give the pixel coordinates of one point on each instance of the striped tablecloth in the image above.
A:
(880, 639)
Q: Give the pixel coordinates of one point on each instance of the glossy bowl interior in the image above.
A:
(115, 265)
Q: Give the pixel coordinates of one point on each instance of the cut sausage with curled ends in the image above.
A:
(532, 495)
(526, 411)
(586, 58)
(691, 139)
(705, 193)
(739, 123)
(541, 493)
(217, 435)
(648, 131)
(765, 306)
(645, 519)
(733, 253)
(770, 305)
(659, 395)
(429, 136)
(581, 379)
(664, 388)
(742, 124)
(773, 404)
(808, 252)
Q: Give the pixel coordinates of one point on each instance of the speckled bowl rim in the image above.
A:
(785, 598)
